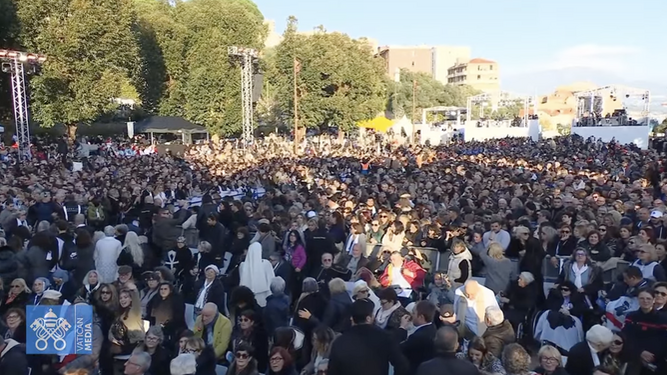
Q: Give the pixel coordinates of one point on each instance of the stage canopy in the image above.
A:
(168, 124)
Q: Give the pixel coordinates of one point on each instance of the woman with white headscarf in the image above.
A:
(361, 290)
(256, 273)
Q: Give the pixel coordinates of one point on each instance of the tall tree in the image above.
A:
(161, 39)
(92, 53)
(8, 34)
(212, 90)
(340, 82)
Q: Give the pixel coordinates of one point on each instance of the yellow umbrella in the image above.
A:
(381, 124)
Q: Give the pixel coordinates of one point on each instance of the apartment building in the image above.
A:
(444, 57)
(423, 59)
(414, 59)
(481, 74)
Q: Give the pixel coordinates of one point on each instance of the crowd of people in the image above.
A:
(472, 258)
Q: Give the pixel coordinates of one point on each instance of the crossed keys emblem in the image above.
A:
(51, 327)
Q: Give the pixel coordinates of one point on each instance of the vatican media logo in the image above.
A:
(60, 330)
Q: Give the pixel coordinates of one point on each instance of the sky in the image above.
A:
(620, 37)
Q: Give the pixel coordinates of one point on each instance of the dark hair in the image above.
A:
(287, 357)
(297, 235)
(478, 344)
(250, 314)
(242, 294)
(83, 238)
(426, 309)
(361, 310)
(633, 272)
(244, 347)
(388, 294)
(62, 225)
(264, 228)
(212, 216)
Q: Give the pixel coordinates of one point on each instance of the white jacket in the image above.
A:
(106, 254)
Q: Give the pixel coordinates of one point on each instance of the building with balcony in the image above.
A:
(445, 57)
(480, 74)
(434, 61)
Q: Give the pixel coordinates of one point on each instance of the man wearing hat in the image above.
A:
(124, 276)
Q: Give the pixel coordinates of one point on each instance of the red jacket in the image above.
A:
(416, 281)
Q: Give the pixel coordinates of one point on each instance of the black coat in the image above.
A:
(216, 293)
(337, 313)
(10, 267)
(366, 350)
(13, 360)
(84, 263)
(315, 303)
(418, 347)
(19, 302)
(447, 364)
(580, 361)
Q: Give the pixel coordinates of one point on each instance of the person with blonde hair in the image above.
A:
(499, 269)
(551, 361)
(647, 262)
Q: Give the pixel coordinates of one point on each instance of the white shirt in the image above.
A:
(398, 279)
(352, 240)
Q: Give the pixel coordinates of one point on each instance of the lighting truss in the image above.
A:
(14, 63)
(614, 93)
(247, 58)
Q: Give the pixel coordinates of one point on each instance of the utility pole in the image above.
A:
(414, 109)
(297, 70)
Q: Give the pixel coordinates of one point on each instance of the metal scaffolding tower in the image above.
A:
(247, 58)
(15, 63)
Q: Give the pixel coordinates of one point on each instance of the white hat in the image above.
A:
(656, 214)
(212, 267)
(311, 214)
(52, 295)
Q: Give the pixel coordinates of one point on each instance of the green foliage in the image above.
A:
(563, 129)
(91, 51)
(340, 81)
(8, 33)
(212, 89)
(661, 128)
(429, 93)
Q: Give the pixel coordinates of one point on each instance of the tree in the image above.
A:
(92, 52)
(429, 93)
(8, 34)
(340, 81)
(661, 128)
(209, 93)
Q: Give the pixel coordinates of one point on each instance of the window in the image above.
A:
(490, 67)
(479, 77)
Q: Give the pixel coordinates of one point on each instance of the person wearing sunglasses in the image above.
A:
(618, 355)
(243, 362)
(660, 296)
(250, 330)
(17, 297)
(647, 262)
